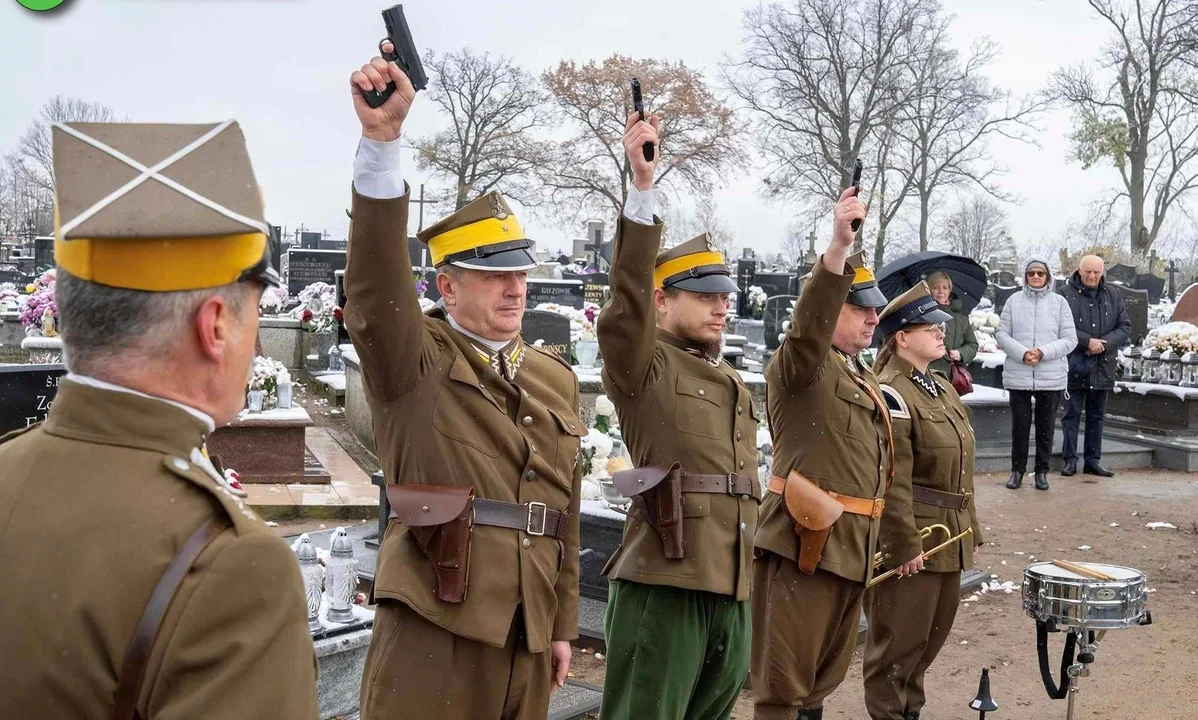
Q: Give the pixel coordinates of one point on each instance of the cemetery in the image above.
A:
(275, 446)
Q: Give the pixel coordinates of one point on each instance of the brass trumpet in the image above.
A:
(924, 533)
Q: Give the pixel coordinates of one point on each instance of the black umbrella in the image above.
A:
(969, 278)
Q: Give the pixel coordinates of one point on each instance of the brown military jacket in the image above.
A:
(933, 447)
(443, 416)
(828, 423)
(676, 407)
(94, 504)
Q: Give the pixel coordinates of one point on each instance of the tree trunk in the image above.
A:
(924, 200)
(880, 246)
(1140, 241)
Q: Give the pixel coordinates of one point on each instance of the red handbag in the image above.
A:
(959, 376)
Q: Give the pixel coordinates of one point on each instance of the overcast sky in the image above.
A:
(281, 68)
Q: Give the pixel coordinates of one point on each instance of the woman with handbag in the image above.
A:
(960, 342)
(910, 618)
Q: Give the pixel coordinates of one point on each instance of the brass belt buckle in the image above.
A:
(732, 486)
(965, 498)
(879, 504)
(528, 525)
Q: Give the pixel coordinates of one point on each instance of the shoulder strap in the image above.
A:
(133, 669)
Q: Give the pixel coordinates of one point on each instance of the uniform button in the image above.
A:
(740, 410)
(702, 392)
(180, 464)
(738, 434)
(526, 420)
(530, 475)
(526, 543)
(856, 396)
(742, 464)
(532, 447)
(743, 527)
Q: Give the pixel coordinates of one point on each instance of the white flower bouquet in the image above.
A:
(1180, 337)
(265, 376)
(273, 300)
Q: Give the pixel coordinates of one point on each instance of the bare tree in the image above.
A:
(950, 117)
(794, 246)
(1141, 112)
(699, 140)
(26, 206)
(705, 218)
(821, 77)
(493, 107)
(977, 228)
(34, 148)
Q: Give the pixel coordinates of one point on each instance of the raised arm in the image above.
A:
(627, 326)
(809, 337)
(382, 313)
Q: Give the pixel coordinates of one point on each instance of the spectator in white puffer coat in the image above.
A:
(1036, 331)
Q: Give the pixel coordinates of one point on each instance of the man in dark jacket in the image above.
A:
(1102, 328)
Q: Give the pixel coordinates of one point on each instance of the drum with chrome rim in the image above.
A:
(1074, 601)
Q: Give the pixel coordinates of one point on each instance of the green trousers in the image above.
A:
(673, 654)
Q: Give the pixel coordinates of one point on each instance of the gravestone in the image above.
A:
(1136, 302)
(418, 253)
(339, 284)
(26, 393)
(1121, 273)
(1154, 286)
(596, 288)
(12, 274)
(776, 283)
(431, 292)
(43, 252)
(549, 327)
(1001, 294)
(276, 248)
(562, 292)
(777, 311)
(1186, 309)
(746, 274)
(305, 267)
(310, 240)
(1005, 278)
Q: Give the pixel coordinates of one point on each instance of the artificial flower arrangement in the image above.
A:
(317, 310)
(273, 300)
(1180, 337)
(756, 302)
(38, 311)
(9, 295)
(266, 375)
(582, 322)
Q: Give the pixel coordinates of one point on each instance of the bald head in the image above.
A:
(1091, 270)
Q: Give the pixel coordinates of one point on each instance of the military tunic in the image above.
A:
(95, 504)
(443, 415)
(829, 422)
(909, 620)
(667, 617)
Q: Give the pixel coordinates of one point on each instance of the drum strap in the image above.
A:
(1055, 692)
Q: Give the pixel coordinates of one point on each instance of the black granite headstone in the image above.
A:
(561, 292)
(418, 253)
(43, 253)
(746, 274)
(596, 288)
(1137, 303)
(776, 283)
(431, 292)
(339, 284)
(1154, 286)
(1121, 273)
(310, 240)
(305, 267)
(777, 311)
(13, 274)
(552, 329)
(276, 248)
(26, 393)
(1001, 293)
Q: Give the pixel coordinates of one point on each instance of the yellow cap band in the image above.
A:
(161, 264)
(862, 275)
(670, 268)
(490, 231)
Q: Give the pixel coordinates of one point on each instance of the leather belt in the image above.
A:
(532, 518)
(728, 484)
(869, 507)
(940, 498)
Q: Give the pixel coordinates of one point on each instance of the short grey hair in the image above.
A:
(101, 325)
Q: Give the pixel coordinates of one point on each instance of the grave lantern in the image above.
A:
(1152, 366)
(313, 575)
(342, 575)
(1189, 370)
(1170, 371)
(1135, 364)
(336, 360)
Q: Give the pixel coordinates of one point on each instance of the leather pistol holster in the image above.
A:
(441, 520)
(813, 512)
(656, 492)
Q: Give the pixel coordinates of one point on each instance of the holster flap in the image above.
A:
(425, 505)
(809, 505)
(633, 482)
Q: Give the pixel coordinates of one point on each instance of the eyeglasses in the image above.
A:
(937, 328)
(1037, 273)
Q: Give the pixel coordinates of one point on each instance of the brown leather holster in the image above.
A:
(656, 492)
(441, 520)
(813, 512)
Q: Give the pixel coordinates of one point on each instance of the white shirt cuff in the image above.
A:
(377, 172)
(640, 205)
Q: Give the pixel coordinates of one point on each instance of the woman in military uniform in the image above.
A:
(909, 619)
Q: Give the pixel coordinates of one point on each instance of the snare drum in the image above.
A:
(1074, 601)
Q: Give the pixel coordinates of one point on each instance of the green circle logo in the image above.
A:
(41, 4)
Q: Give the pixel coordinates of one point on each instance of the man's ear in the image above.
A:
(214, 327)
(659, 299)
(448, 288)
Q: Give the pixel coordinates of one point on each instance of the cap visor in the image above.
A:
(935, 316)
(506, 261)
(714, 283)
(868, 297)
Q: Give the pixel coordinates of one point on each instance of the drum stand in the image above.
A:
(1085, 656)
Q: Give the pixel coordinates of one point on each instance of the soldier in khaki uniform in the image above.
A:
(933, 485)
(677, 625)
(135, 580)
(832, 468)
(478, 435)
